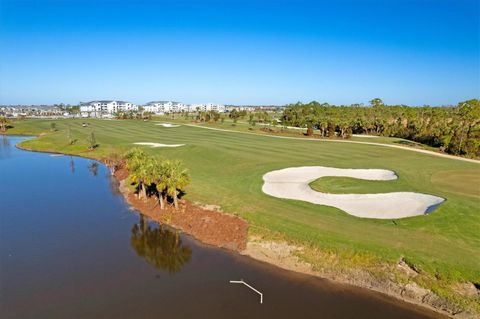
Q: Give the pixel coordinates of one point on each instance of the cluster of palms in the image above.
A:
(455, 130)
(164, 178)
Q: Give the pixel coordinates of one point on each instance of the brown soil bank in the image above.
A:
(208, 226)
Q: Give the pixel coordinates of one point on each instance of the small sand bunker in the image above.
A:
(364, 135)
(293, 183)
(154, 145)
(168, 125)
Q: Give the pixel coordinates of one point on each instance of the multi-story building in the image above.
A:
(158, 107)
(106, 107)
(207, 107)
(111, 107)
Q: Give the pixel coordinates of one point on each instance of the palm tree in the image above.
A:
(160, 182)
(3, 123)
(175, 178)
(92, 142)
(137, 161)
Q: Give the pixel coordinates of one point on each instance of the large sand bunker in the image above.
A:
(154, 145)
(168, 125)
(293, 183)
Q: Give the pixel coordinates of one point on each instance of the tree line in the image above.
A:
(454, 130)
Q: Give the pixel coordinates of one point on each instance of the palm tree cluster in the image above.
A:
(166, 179)
(455, 130)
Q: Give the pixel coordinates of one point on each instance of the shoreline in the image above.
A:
(282, 255)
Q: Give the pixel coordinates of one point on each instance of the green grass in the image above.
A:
(348, 185)
(243, 126)
(227, 169)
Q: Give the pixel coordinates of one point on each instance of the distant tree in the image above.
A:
(3, 124)
(53, 127)
(376, 102)
(92, 142)
(70, 138)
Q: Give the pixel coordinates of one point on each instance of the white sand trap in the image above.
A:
(293, 183)
(154, 145)
(364, 135)
(168, 125)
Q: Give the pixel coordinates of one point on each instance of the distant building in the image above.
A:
(207, 107)
(158, 107)
(162, 107)
(99, 108)
(110, 107)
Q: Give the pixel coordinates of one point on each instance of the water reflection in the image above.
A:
(5, 146)
(160, 246)
(5, 141)
(93, 168)
(72, 165)
(114, 185)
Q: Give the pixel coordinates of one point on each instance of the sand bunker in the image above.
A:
(293, 183)
(363, 135)
(154, 145)
(168, 125)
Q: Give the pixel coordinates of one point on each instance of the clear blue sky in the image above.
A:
(239, 52)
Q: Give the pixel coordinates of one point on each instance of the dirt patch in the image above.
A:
(208, 226)
(121, 174)
(277, 253)
(467, 289)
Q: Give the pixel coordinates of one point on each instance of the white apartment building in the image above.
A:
(97, 108)
(158, 107)
(178, 107)
(110, 107)
(207, 107)
(161, 107)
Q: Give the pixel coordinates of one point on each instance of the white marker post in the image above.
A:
(243, 282)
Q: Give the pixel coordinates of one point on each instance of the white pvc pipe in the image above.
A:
(243, 282)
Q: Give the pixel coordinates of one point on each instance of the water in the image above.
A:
(71, 248)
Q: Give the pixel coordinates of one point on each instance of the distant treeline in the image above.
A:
(455, 130)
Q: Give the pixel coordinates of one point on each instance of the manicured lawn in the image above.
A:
(227, 169)
(347, 185)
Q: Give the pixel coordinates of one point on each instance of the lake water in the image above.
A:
(71, 248)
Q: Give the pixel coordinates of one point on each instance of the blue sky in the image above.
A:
(240, 52)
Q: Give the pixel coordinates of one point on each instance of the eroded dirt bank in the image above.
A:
(207, 225)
